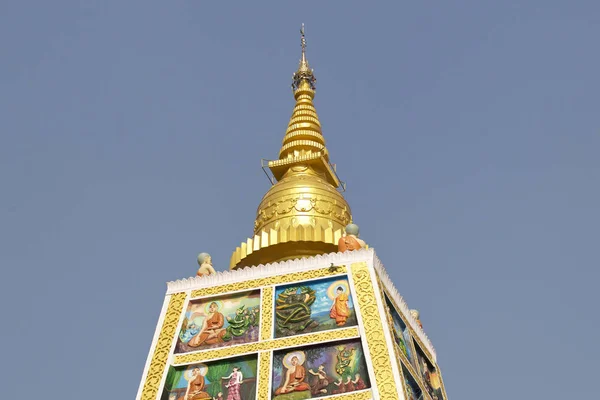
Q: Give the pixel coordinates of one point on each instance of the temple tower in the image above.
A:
(306, 311)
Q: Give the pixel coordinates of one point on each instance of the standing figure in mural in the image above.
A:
(321, 381)
(295, 374)
(344, 359)
(350, 240)
(293, 310)
(339, 309)
(238, 325)
(341, 388)
(433, 388)
(205, 262)
(358, 382)
(233, 386)
(196, 385)
(212, 328)
(400, 341)
(349, 385)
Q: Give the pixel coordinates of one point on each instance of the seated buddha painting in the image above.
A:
(319, 370)
(220, 321)
(232, 379)
(313, 306)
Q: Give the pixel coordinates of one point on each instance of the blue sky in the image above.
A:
(467, 132)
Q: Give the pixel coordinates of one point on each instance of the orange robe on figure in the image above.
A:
(213, 332)
(197, 389)
(348, 243)
(296, 378)
(340, 311)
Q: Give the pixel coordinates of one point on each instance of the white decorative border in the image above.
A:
(363, 336)
(386, 331)
(399, 300)
(361, 330)
(172, 354)
(159, 325)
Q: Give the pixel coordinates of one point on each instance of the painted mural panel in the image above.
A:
(220, 321)
(412, 389)
(313, 306)
(401, 333)
(320, 370)
(430, 377)
(229, 379)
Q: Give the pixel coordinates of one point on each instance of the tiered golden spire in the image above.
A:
(303, 141)
(302, 214)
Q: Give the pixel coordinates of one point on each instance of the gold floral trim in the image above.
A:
(163, 347)
(292, 341)
(269, 281)
(266, 314)
(264, 375)
(374, 331)
(362, 395)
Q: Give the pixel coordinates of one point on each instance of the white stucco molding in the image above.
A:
(263, 271)
(404, 309)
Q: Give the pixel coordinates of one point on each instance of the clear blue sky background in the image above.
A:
(468, 133)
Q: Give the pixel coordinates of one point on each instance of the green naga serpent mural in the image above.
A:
(238, 325)
(344, 359)
(293, 310)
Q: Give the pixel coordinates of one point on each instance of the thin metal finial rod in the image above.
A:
(303, 42)
(304, 72)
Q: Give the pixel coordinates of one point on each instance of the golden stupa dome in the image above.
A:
(303, 214)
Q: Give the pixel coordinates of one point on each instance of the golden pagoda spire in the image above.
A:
(303, 140)
(302, 214)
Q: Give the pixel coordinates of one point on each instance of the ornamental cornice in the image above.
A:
(268, 270)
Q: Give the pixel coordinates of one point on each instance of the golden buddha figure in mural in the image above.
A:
(212, 330)
(339, 310)
(295, 375)
(196, 384)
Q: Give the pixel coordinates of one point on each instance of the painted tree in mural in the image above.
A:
(214, 374)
